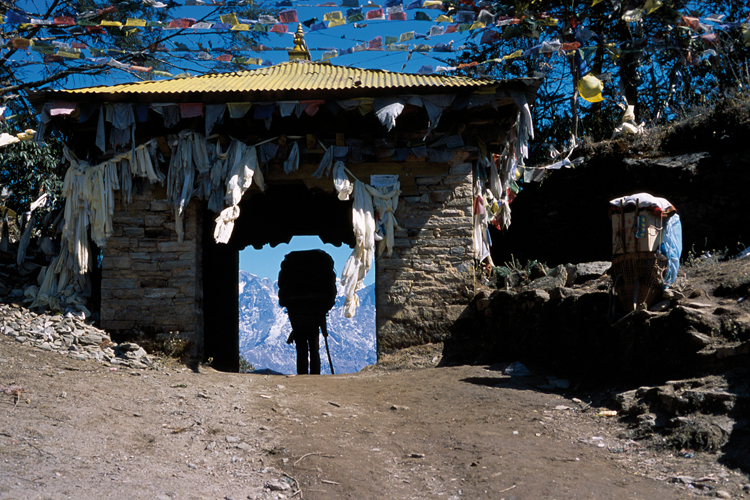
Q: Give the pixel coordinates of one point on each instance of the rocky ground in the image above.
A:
(79, 429)
(83, 417)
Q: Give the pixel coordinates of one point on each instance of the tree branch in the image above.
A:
(57, 76)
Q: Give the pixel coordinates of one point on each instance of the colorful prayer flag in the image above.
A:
(405, 37)
(288, 16)
(135, 22)
(230, 19)
(590, 88)
(333, 16)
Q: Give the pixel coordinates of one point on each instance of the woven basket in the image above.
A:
(638, 277)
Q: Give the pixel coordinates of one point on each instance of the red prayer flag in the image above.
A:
(279, 28)
(191, 110)
(490, 36)
(288, 16)
(21, 43)
(376, 43)
(311, 107)
(691, 22)
(65, 20)
(397, 16)
(570, 46)
(452, 28)
(224, 58)
(375, 14)
(107, 10)
(181, 23)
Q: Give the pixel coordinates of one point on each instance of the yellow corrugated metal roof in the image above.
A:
(291, 76)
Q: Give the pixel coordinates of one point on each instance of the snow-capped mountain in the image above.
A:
(264, 328)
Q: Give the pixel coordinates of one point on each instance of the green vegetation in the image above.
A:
(662, 58)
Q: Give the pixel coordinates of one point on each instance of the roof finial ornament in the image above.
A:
(300, 51)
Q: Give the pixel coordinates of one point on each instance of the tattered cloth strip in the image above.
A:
(481, 219)
(66, 274)
(360, 261)
(243, 167)
(385, 202)
(89, 207)
(180, 179)
(524, 124)
(367, 200)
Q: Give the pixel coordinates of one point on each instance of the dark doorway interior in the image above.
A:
(273, 217)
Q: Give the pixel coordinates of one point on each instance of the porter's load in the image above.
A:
(307, 279)
(646, 247)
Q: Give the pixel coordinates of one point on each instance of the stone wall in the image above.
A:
(428, 281)
(152, 283)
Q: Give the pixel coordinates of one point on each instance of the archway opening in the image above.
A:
(241, 312)
(264, 326)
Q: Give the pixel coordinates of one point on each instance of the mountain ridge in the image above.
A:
(264, 327)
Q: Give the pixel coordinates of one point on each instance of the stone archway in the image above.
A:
(272, 217)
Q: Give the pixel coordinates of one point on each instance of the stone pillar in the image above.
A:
(151, 283)
(428, 282)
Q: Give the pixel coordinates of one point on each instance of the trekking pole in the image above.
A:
(328, 351)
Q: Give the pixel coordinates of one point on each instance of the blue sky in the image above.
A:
(267, 262)
(339, 37)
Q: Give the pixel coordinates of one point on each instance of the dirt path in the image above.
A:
(81, 430)
(451, 432)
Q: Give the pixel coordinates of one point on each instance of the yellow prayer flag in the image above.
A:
(515, 54)
(135, 22)
(240, 27)
(431, 3)
(477, 25)
(116, 24)
(652, 5)
(26, 135)
(590, 88)
(70, 53)
(366, 104)
(405, 37)
(442, 18)
(595, 2)
(547, 21)
(336, 22)
(229, 19)
(333, 16)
